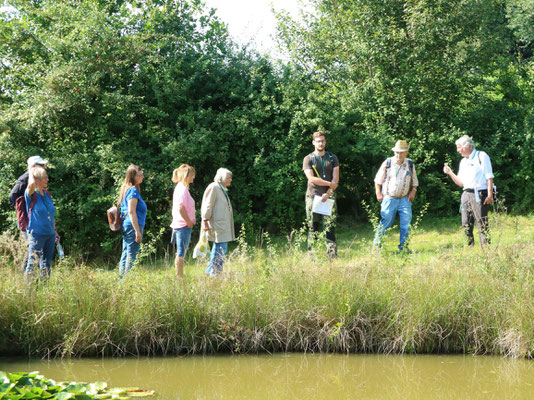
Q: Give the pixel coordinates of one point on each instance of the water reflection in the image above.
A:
(297, 376)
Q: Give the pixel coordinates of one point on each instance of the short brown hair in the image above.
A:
(318, 134)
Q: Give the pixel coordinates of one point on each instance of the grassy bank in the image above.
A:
(442, 298)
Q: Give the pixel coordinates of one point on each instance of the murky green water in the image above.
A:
(297, 376)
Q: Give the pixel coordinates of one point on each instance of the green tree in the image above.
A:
(413, 69)
(95, 86)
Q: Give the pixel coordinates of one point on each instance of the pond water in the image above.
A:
(301, 376)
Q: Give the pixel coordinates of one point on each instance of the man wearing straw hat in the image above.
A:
(396, 184)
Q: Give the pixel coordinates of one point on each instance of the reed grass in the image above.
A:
(442, 298)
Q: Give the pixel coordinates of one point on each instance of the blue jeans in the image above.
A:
(388, 210)
(215, 264)
(129, 249)
(40, 253)
(182, 237)
(27, 256)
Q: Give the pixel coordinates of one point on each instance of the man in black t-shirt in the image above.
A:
(322, 170)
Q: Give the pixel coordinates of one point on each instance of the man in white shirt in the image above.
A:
(475, 176)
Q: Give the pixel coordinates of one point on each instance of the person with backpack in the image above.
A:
(17, 193)
(41, 222)
(133, 212)
(16, 198)
(322, 171)
(475, 176)
(395, 185)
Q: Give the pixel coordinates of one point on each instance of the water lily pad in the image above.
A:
(140, 393)
(63, 396)
(3, 377)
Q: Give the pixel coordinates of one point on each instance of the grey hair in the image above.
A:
(38, 171)
(466, 141)
(221, 175)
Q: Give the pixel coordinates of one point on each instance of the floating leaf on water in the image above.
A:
(3, 377)
(102, 396)
(32, 386)
(96, 387)
(6, 387)
(117, 391)
(140, 393)
(77, 387)
(83, 396)
(63, 396)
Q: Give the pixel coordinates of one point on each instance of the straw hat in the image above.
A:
(401, 145)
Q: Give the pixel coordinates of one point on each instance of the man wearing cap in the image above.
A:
(475, 176)
(18, 191)
(396, 184)
(22, 182)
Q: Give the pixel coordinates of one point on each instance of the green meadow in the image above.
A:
(276, 296)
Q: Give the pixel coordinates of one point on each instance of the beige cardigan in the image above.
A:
(217, 209)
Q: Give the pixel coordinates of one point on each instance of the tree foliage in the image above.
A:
(96, 85)
(427, 71)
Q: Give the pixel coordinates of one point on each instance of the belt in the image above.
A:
(473, 191)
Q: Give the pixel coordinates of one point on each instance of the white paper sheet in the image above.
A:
(319, 207)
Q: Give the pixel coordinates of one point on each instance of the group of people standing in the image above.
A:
(396, 185)
(216, 211)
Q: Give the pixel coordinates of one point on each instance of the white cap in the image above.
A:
(36, 160)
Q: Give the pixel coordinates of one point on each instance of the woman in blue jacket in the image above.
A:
(133, 210)
(41, 222)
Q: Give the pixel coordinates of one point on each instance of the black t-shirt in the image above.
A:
(322, 167)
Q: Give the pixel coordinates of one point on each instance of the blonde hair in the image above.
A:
(221, 175)
(129, 180)
(183, 173)
(38, 172)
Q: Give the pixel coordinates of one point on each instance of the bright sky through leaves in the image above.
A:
(252, 21)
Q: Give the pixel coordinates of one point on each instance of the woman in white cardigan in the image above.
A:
(218, 219)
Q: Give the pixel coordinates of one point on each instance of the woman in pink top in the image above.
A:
(183, 214)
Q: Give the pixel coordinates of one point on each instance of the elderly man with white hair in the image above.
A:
(218, 219)
(475, 176)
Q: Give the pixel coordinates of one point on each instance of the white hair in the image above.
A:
(466, 141)
(221, 175)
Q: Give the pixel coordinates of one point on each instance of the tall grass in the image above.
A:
(443, 298)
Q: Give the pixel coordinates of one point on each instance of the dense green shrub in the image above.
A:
(96, 85)
(103, 86)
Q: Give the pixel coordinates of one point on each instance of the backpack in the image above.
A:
(114, 218)
(313, 161)
(23, 216)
